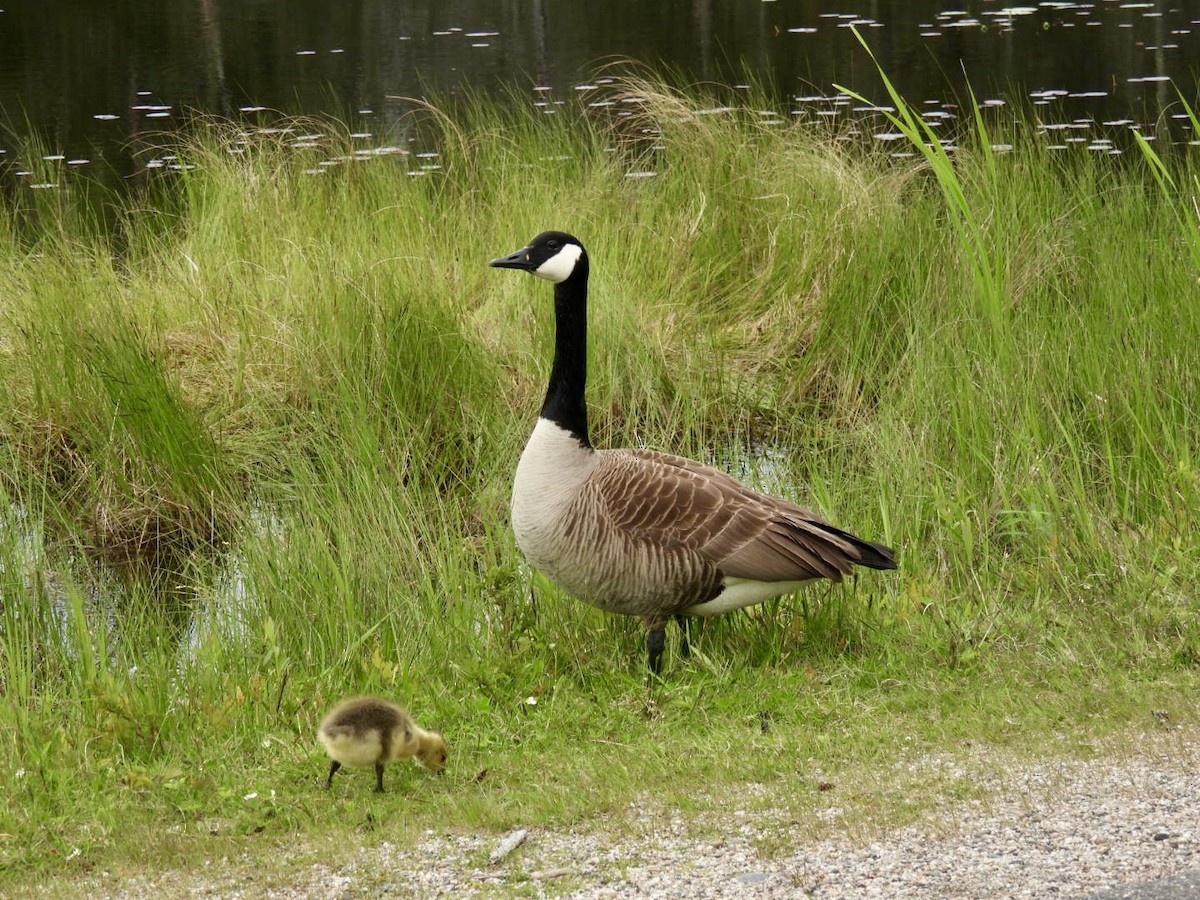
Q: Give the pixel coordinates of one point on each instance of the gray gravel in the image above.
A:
(1173, 887)
(1100, 828)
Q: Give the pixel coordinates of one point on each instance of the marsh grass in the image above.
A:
(258, 444)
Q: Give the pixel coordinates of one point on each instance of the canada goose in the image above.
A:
(370, 731)
(644, 533)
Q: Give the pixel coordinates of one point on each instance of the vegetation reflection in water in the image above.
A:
(997, 386)
(127, 78)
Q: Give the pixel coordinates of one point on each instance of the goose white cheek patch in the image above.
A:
(560, 266)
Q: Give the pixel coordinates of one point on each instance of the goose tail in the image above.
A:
(870, 554)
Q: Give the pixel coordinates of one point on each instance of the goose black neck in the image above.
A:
(565, 404)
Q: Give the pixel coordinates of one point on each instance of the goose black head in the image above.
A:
(553, 255)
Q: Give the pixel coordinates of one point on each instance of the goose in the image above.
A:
(370, 731)
(644, 533)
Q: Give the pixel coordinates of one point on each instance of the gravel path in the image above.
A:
(1060, 828)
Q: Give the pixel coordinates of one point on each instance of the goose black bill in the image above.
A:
(518, 260)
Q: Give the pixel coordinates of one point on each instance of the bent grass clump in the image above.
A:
(298, 400)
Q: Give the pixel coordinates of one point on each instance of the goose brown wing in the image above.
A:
(691, 508)
(725, 482)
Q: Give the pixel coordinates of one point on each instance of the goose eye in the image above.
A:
(552, 244)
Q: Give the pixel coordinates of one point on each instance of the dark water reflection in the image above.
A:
(90, 76)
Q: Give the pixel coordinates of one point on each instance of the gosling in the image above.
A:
(370, 731)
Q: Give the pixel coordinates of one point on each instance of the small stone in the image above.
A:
(752, 877)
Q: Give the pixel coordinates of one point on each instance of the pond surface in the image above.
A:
(92, 77)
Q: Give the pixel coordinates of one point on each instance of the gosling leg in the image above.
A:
(333, 767)
(379, 778)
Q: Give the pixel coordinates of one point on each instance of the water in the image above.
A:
(94, 78)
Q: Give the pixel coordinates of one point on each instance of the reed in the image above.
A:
(258, 440)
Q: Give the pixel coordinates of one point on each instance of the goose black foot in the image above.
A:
(656, 639)
(333, 767)
(379, 778)
(685, 631)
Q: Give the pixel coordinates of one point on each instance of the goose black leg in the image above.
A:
(656, 639)
(685, 631)
(333, 767)
(379, 778)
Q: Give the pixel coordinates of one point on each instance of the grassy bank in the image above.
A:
(258, 440)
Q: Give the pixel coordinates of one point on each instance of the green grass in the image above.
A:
(258, 440)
